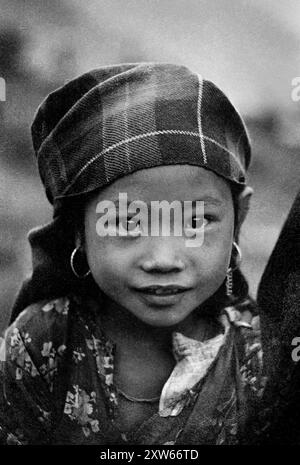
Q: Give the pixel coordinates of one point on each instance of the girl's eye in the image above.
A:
(132, 227)
(197, 222)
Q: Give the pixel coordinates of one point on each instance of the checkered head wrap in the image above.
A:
(118, 119)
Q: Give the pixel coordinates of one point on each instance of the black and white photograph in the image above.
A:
(149, 226)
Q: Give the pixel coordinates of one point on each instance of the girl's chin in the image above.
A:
(162, 317)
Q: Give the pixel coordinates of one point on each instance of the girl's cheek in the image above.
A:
(107, 253)
(219, 239)
(217, 236)
(213, 255)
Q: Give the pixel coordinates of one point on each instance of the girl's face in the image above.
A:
(130, 269)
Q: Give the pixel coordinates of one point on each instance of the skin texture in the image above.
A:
(121, 264)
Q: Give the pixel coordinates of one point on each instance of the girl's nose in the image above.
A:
(162, 257)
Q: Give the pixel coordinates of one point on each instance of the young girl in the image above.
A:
(134, 338)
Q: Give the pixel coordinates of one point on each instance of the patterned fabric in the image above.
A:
(115, 120)
(57, 384)
(194, 359)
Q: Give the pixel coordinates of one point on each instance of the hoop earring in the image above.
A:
(72, 265)
(239, 255)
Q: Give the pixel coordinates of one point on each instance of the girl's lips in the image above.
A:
(162, 295)
(162, 290)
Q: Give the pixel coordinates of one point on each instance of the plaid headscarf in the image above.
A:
(115, 120)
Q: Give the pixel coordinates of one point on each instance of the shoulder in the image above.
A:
(252, 367)
(42, 318)
(249, 347)
(247, 330)
(32, 356)
(38, 334)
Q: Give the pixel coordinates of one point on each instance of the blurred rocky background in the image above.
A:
(250, 48)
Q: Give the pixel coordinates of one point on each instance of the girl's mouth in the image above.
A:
(162, 295)
(162, 290)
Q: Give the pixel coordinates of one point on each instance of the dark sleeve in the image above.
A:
(32, 354)
(279, 304)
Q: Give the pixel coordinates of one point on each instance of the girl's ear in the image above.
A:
(243, 207)
(79, 237)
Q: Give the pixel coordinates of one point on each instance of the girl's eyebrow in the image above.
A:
(210, 200)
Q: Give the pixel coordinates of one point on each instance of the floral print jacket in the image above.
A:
(57, 386)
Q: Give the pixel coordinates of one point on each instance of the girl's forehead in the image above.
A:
(168, 182)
